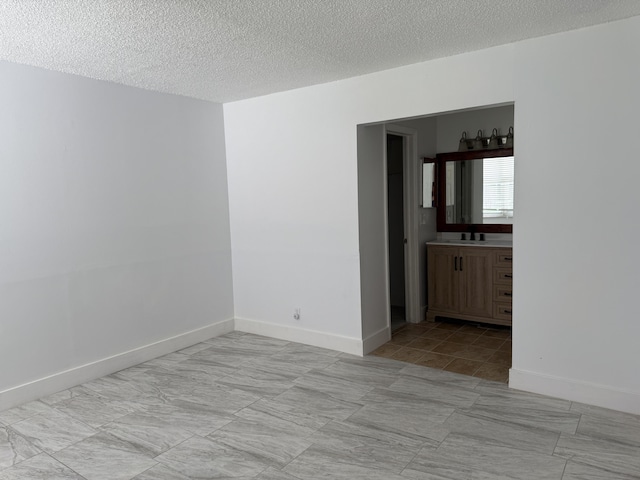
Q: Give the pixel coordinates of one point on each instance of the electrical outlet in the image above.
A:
(296, 314)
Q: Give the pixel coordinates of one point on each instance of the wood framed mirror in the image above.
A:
(475, 191)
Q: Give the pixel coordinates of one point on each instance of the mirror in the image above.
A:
(476, 191)
(428, 183)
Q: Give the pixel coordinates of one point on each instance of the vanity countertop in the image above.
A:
(473, 243)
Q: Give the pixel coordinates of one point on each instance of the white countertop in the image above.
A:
(473, 243)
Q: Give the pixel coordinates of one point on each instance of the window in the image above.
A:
(497, 198)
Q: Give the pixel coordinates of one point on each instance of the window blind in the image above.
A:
(497, 197)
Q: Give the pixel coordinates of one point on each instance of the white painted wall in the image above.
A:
(576, 324)
(114, 227)
(372, 195)
(293, 184)
(294, 214)
(427, 134)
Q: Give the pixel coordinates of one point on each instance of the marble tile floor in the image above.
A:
(249, 407)
(459, 347)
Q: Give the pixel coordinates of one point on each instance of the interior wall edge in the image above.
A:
(574, 390)
(376, 340)
(57, 382)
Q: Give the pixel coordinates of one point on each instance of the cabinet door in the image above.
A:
(443, 278)
(475, 267)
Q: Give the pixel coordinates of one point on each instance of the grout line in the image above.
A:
(420, 334)
(62, 463)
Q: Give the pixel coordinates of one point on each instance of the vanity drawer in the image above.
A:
(504, 257)
(503, 275)
(502, 293)
(502, 311)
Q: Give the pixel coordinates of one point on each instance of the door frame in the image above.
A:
(411, 199)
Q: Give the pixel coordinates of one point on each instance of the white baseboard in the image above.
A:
(375, 340)
(569, 389)
(300, 335)
(90, 371)
(575, 390)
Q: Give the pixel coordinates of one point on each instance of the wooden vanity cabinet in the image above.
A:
(443, 278)
(503, 285)
(470, 283)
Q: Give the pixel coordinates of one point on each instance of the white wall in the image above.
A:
(293, 184)
(294, 214)
(114, 229)
(427, 134)
(577, 322)
(372, 187)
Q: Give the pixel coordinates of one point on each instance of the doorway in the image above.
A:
(444, 344)
(396, 230)
(401, 189)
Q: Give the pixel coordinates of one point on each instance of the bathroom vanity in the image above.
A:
(470, 281)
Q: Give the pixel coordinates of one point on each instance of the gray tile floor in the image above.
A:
(243, 406)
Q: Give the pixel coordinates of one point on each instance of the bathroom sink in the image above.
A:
(457, 242)
(484, 243)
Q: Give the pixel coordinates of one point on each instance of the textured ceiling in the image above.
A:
(224, 50)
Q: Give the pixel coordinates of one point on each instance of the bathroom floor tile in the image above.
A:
(448, 326)
(463, 366)
(505, 334)
(497, 373)
(502, 358)
(386, 349)
(407, 354)
(469, 349)
(470, 328)
(437, 334)
(489, 342)
(425, 343)
(434, 360)
(402, 339)
(416, 327)
(463, 338)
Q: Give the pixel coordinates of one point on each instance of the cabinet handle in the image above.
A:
(455, 264)
(508, 259)
(460, 263)
(506, 275)
(507, 311)
(507, 294)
